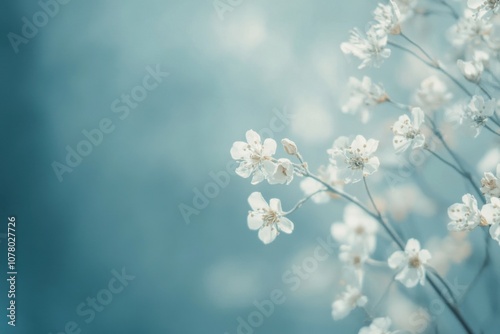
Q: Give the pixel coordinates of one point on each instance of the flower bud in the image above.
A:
(471, 70)
(289, 146)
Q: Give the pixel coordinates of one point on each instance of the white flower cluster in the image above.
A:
(464, 92)
(466, 216)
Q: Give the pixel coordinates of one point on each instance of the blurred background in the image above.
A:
(275, 67)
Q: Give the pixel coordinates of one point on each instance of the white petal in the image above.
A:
(252, 137)
(285, 225)
(239, 150)
(267, 234)
(396, 260)
(409, 277)
(424, 255)
(269, 148)
(254, 220)
(371, 166)
(257, 202)
(339, 231)
(418, 117)
(412, 246)
(495, 232)
(275, 205)
(258, 177)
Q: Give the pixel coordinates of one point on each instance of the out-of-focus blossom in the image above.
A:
(432, 94)
(484, 8)
(491, 212)
(490, 184)
(478, 111)
(405, 199)
(410, 263)
(252, 155)
(469, 30)
(464, 216)
(269, 219)
(354, 161)
(407, 132)
(452, 249)
(363, 94)
(388, 18)
(378, 326)
(351, 298)
(370, 49)
(471, 70)
(328, 175)
(406, 8)
(357, 229)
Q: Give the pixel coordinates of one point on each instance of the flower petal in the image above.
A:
(285, 225)
(267, 234)
(257, 202)
(396, 260)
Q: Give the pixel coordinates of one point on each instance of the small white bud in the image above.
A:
(471, 70)
(289, 146)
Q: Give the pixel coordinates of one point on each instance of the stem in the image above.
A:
(302, 201)
(411, 52)
(464, 171)
(418, 47)
(452, 307)
(385, 293)
(495, 121)
(452, 10)
(434, 64)
(371, 198)
(399, 105)
(484, 90)
(444, 161)
(444, 283)
(491, 130)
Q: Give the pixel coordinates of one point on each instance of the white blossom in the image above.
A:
(357, 229)
(471, 70)
(378, 326)
(490, 184)
(410, 263)
(269, 219)
(491, 213)
(388, 18)
(351, 298)
(464, 216)
(252, 155)
(354, 255)
(432, 94)
(371, 50)
(329, 175)
(279, 172)
(478, 111)
(407, 132)
(469, 30)
(406, 8)
(484, 8)
(354, 160)
(363, 94)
